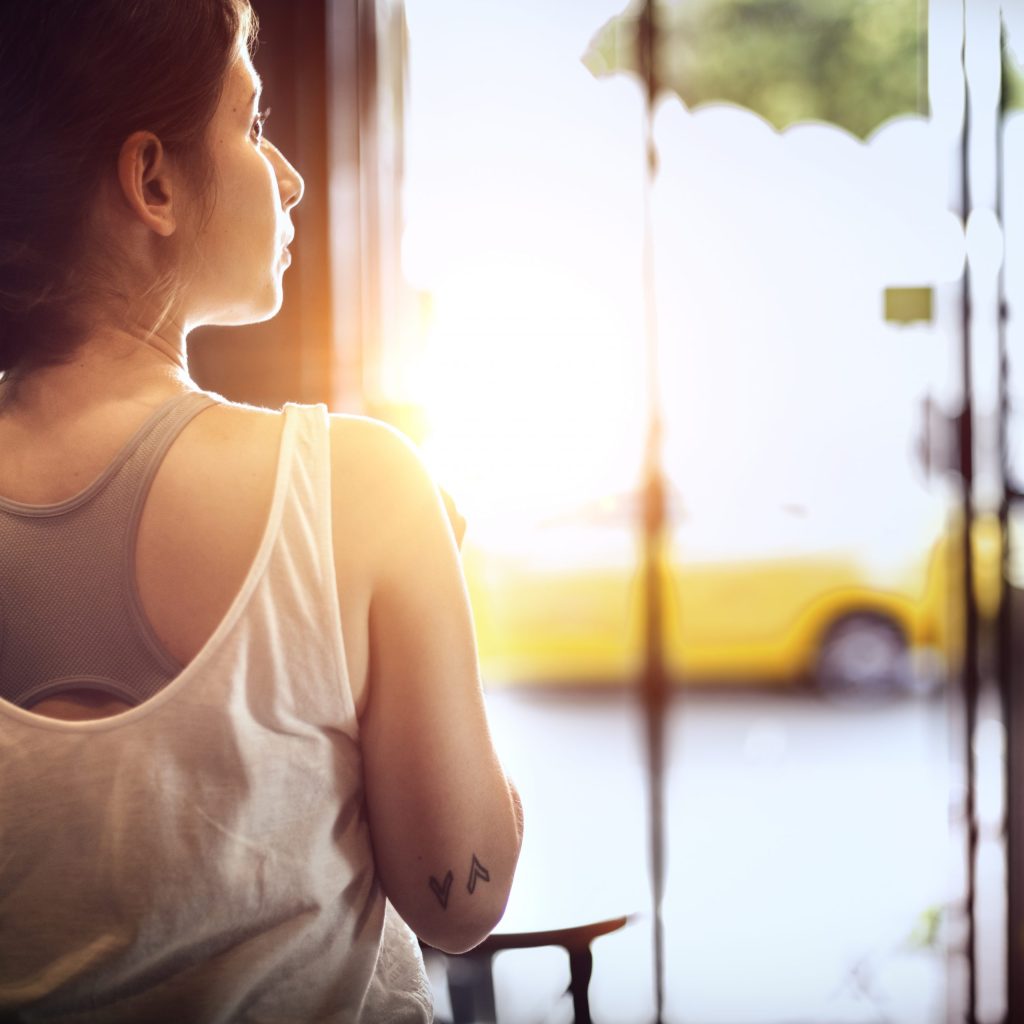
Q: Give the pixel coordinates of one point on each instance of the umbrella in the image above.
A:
(852, 63)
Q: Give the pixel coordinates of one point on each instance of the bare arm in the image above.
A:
(445, 820)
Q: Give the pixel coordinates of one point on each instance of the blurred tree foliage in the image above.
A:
(854, 63)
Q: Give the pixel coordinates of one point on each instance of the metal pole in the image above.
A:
(654, 681)
(970, 665)
(1006, 663)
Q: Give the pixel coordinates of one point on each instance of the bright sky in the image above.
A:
(782, 384)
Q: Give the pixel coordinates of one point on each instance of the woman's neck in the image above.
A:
(112, 366)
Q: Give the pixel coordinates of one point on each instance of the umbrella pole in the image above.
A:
(653, 530)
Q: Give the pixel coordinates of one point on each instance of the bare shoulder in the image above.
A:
(389, 513)
(368, 457)
(376, 451)
(235, 423)
(377, 464)
(226, 457)
(222, 468)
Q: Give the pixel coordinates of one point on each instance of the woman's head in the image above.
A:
(239, 257)
(88, 86)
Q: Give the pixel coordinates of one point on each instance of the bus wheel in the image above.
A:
(862, 655)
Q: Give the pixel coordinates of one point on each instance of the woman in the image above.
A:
(240, 716)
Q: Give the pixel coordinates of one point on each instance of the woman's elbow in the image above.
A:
(457, 910)
(462, 931)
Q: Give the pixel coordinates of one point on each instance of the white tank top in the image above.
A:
(206, 856)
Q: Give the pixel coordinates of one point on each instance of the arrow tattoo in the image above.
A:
(441, 890)
(475, 872)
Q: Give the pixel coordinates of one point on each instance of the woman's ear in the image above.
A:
(144, 173)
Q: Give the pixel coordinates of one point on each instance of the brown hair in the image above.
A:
(77, 77)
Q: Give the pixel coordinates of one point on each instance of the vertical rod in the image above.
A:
(970, 664)
(1008, 693)
(654, 681)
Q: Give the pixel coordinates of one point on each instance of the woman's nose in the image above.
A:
(289, 181)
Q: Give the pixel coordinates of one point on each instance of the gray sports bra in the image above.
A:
(70, 615)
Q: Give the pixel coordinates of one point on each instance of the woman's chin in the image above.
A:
(263, 307)
(276, 299)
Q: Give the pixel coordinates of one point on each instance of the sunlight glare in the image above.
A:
(530, 386)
